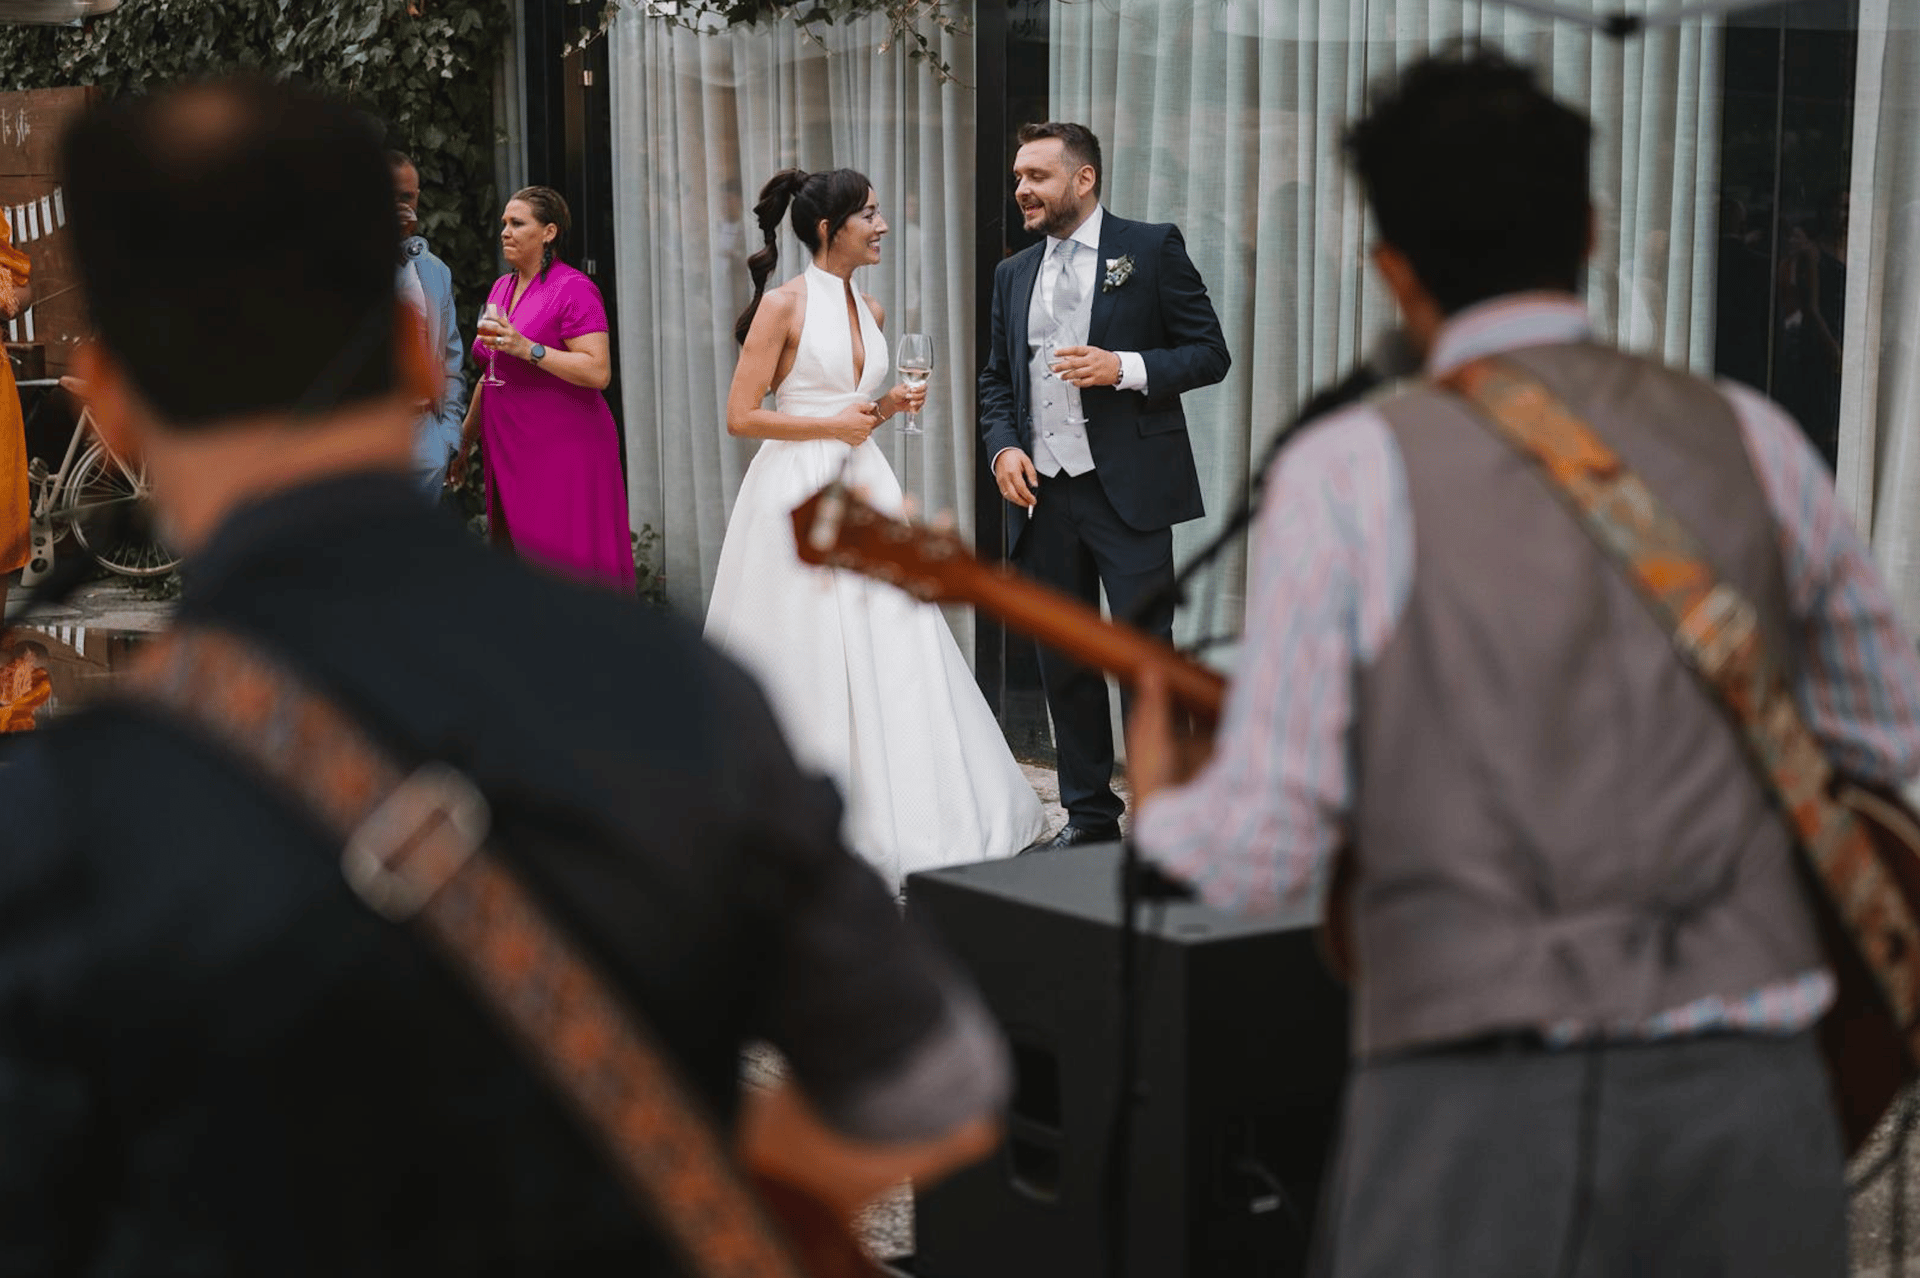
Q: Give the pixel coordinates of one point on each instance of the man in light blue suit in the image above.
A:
(438, 432)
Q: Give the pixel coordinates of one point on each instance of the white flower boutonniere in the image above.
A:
(1119, 271)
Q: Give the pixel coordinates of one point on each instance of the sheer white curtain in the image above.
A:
(701, 121)
(1879, 466)
(1227, 117)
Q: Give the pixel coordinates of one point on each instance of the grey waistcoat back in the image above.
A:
(1555, 822)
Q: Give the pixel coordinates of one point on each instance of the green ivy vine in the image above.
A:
(425, 68)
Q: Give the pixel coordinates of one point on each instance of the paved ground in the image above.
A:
(115, 604)
(1874, 1220)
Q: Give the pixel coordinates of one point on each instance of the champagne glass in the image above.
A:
(916, 364)
(1049, 352)
(493, 321)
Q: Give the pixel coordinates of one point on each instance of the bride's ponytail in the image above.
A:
(775, 196)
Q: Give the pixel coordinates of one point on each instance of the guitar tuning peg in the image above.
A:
(944, 521)
(909, 506)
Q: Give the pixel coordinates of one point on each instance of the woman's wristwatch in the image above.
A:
(536, 353)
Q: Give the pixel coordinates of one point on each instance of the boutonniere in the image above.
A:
(1119, 271)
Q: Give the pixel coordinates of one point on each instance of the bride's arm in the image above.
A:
(773, 330)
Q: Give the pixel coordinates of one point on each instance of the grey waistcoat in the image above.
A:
(1554, 821)
(1054, 400)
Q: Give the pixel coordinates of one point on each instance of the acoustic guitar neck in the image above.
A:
(835, 528)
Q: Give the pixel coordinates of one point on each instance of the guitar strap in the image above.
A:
(1715, 632)
(415, 852)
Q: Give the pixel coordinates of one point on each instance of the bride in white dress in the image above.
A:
(867, 682)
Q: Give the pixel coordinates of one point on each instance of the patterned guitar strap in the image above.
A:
(415, 851)
(1715, 630)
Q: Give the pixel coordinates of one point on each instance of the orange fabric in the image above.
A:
(25, 686)
(14, 271)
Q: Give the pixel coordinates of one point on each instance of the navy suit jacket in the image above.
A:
(1141, 451)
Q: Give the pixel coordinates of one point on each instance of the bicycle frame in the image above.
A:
(52, 501)
(40, 536)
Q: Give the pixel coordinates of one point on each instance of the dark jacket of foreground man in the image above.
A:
(215, 1060)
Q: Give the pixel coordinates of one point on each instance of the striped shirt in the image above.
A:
(1332, 566)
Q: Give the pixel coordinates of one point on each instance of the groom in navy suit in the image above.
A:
(1097, 332)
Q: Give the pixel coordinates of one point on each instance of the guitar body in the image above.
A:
(1337, 946)
(821, 1241)
(1868, 1058)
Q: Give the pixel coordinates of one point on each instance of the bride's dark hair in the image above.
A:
(835, 195)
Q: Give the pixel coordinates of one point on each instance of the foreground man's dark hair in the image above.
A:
(236, 243)
(1478, 177)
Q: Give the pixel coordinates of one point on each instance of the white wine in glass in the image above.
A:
(493, 321)
(916, 364)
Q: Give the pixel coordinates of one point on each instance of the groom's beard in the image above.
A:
(1058, 220)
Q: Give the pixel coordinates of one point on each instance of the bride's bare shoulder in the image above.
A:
(786, 303)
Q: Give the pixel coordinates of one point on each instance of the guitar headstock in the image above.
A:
(836, 528)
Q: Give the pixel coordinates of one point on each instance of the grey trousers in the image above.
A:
(1698, 1157)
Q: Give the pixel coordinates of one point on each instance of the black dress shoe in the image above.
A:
(1073, 836)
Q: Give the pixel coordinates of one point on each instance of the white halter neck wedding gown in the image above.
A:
(867, 682)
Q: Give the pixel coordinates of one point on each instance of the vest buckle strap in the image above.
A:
(1716, 627)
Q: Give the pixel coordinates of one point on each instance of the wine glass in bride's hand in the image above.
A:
(916, 364)
(493, 322)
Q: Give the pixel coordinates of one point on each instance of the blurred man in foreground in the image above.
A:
(214, 1058)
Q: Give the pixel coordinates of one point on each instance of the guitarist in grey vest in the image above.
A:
(1586, 968)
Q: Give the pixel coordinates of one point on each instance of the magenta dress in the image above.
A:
(552, 456)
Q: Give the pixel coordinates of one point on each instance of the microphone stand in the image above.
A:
(1140, 880)
(1143, 881)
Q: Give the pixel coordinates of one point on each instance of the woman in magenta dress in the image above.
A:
(554, 491)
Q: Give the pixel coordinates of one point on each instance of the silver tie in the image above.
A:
(1066, 293)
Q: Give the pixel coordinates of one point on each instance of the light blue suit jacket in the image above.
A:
(438, 433)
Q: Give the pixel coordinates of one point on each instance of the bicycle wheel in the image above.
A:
(100, 483)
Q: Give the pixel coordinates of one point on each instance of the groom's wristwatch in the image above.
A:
(538, 353)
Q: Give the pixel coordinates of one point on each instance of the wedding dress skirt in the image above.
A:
(867, 682)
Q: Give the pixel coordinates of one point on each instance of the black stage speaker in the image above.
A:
(1243, 1048)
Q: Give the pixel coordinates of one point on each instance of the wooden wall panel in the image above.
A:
(31, 123)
